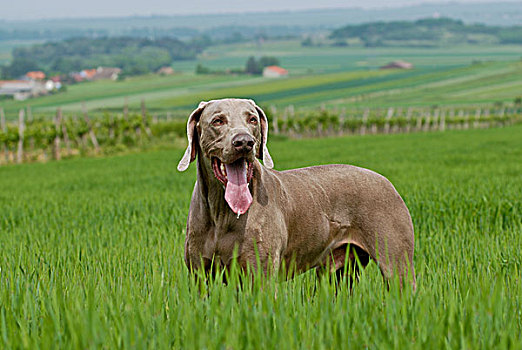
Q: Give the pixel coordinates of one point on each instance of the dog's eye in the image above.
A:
(218, 122)
(253, 120)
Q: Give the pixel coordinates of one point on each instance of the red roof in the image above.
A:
(89, 73)
(36, 75)
(277, 69)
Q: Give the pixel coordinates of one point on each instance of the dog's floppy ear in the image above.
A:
(262, 153)
(190, 153)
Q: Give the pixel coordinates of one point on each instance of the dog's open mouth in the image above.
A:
(235, 177)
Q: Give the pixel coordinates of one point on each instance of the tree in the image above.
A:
(266, 61)
(19, 67)
(307, 42)
(200, 69)
(252, 66)
(133, 55)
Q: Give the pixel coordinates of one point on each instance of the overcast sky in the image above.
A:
(34, 9)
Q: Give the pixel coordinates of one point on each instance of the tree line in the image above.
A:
(133, 55)
(427, 31)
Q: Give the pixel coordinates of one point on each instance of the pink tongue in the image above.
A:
(237, 194)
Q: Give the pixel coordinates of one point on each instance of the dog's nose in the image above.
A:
(243, 142)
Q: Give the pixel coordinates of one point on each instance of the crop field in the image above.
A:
(335, 77)
(92, 254)
(323, 59)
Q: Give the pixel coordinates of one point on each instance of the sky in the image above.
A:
(41, 9)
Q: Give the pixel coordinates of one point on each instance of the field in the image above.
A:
(334, 77)
(92, 254)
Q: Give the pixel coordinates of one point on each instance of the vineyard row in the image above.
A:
(41, 139)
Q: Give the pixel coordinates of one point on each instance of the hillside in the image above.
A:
(132, 55)
(427, 32)
(275, 23)
(440, 77)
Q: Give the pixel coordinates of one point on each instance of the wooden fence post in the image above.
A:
(275, 125)
(418, 127)
(21, 130)
(3, 125)
(126, 109)
(364, 125)
(466, 120)
(436, 114)
(477, 118)
(409, 112)
(426, 125)
(285, 121)
(66, 139)
(144, 118)
(389, 115)
(451, 119)
(94, 140)
(342, 118)
(442, 122)
(57, 126)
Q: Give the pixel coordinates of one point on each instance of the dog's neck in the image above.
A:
(208, 184)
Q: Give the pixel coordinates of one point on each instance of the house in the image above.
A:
(100, 73)
(398, 65)
(165, 70)
(87, 74)
(274, 72)
(51, 85)
(22, 89)
(76, 77)
(35, 75)
(105, 73)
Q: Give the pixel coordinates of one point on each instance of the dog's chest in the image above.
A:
(221, 245)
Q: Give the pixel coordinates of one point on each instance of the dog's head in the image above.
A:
(231, 133)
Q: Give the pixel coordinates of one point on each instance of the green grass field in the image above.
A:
(335, 77)
(92, 255)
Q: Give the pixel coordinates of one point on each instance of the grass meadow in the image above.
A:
(92, 255)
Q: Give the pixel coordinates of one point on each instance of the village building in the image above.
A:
(35, 75)
(22, 89)
(87, 74)
(100, 73)
(274, 72)
(165, 70)
(105, 73)
(398, 65)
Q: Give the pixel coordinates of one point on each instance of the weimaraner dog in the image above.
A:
(298, 219)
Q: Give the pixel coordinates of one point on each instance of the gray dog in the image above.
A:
(301, 219)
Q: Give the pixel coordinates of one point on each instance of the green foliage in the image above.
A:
(428, 31)
(307, 42)
(19, 68)
(254, 66)
(133, 55)
(92, 255)
(511, 35)
(200, 69)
